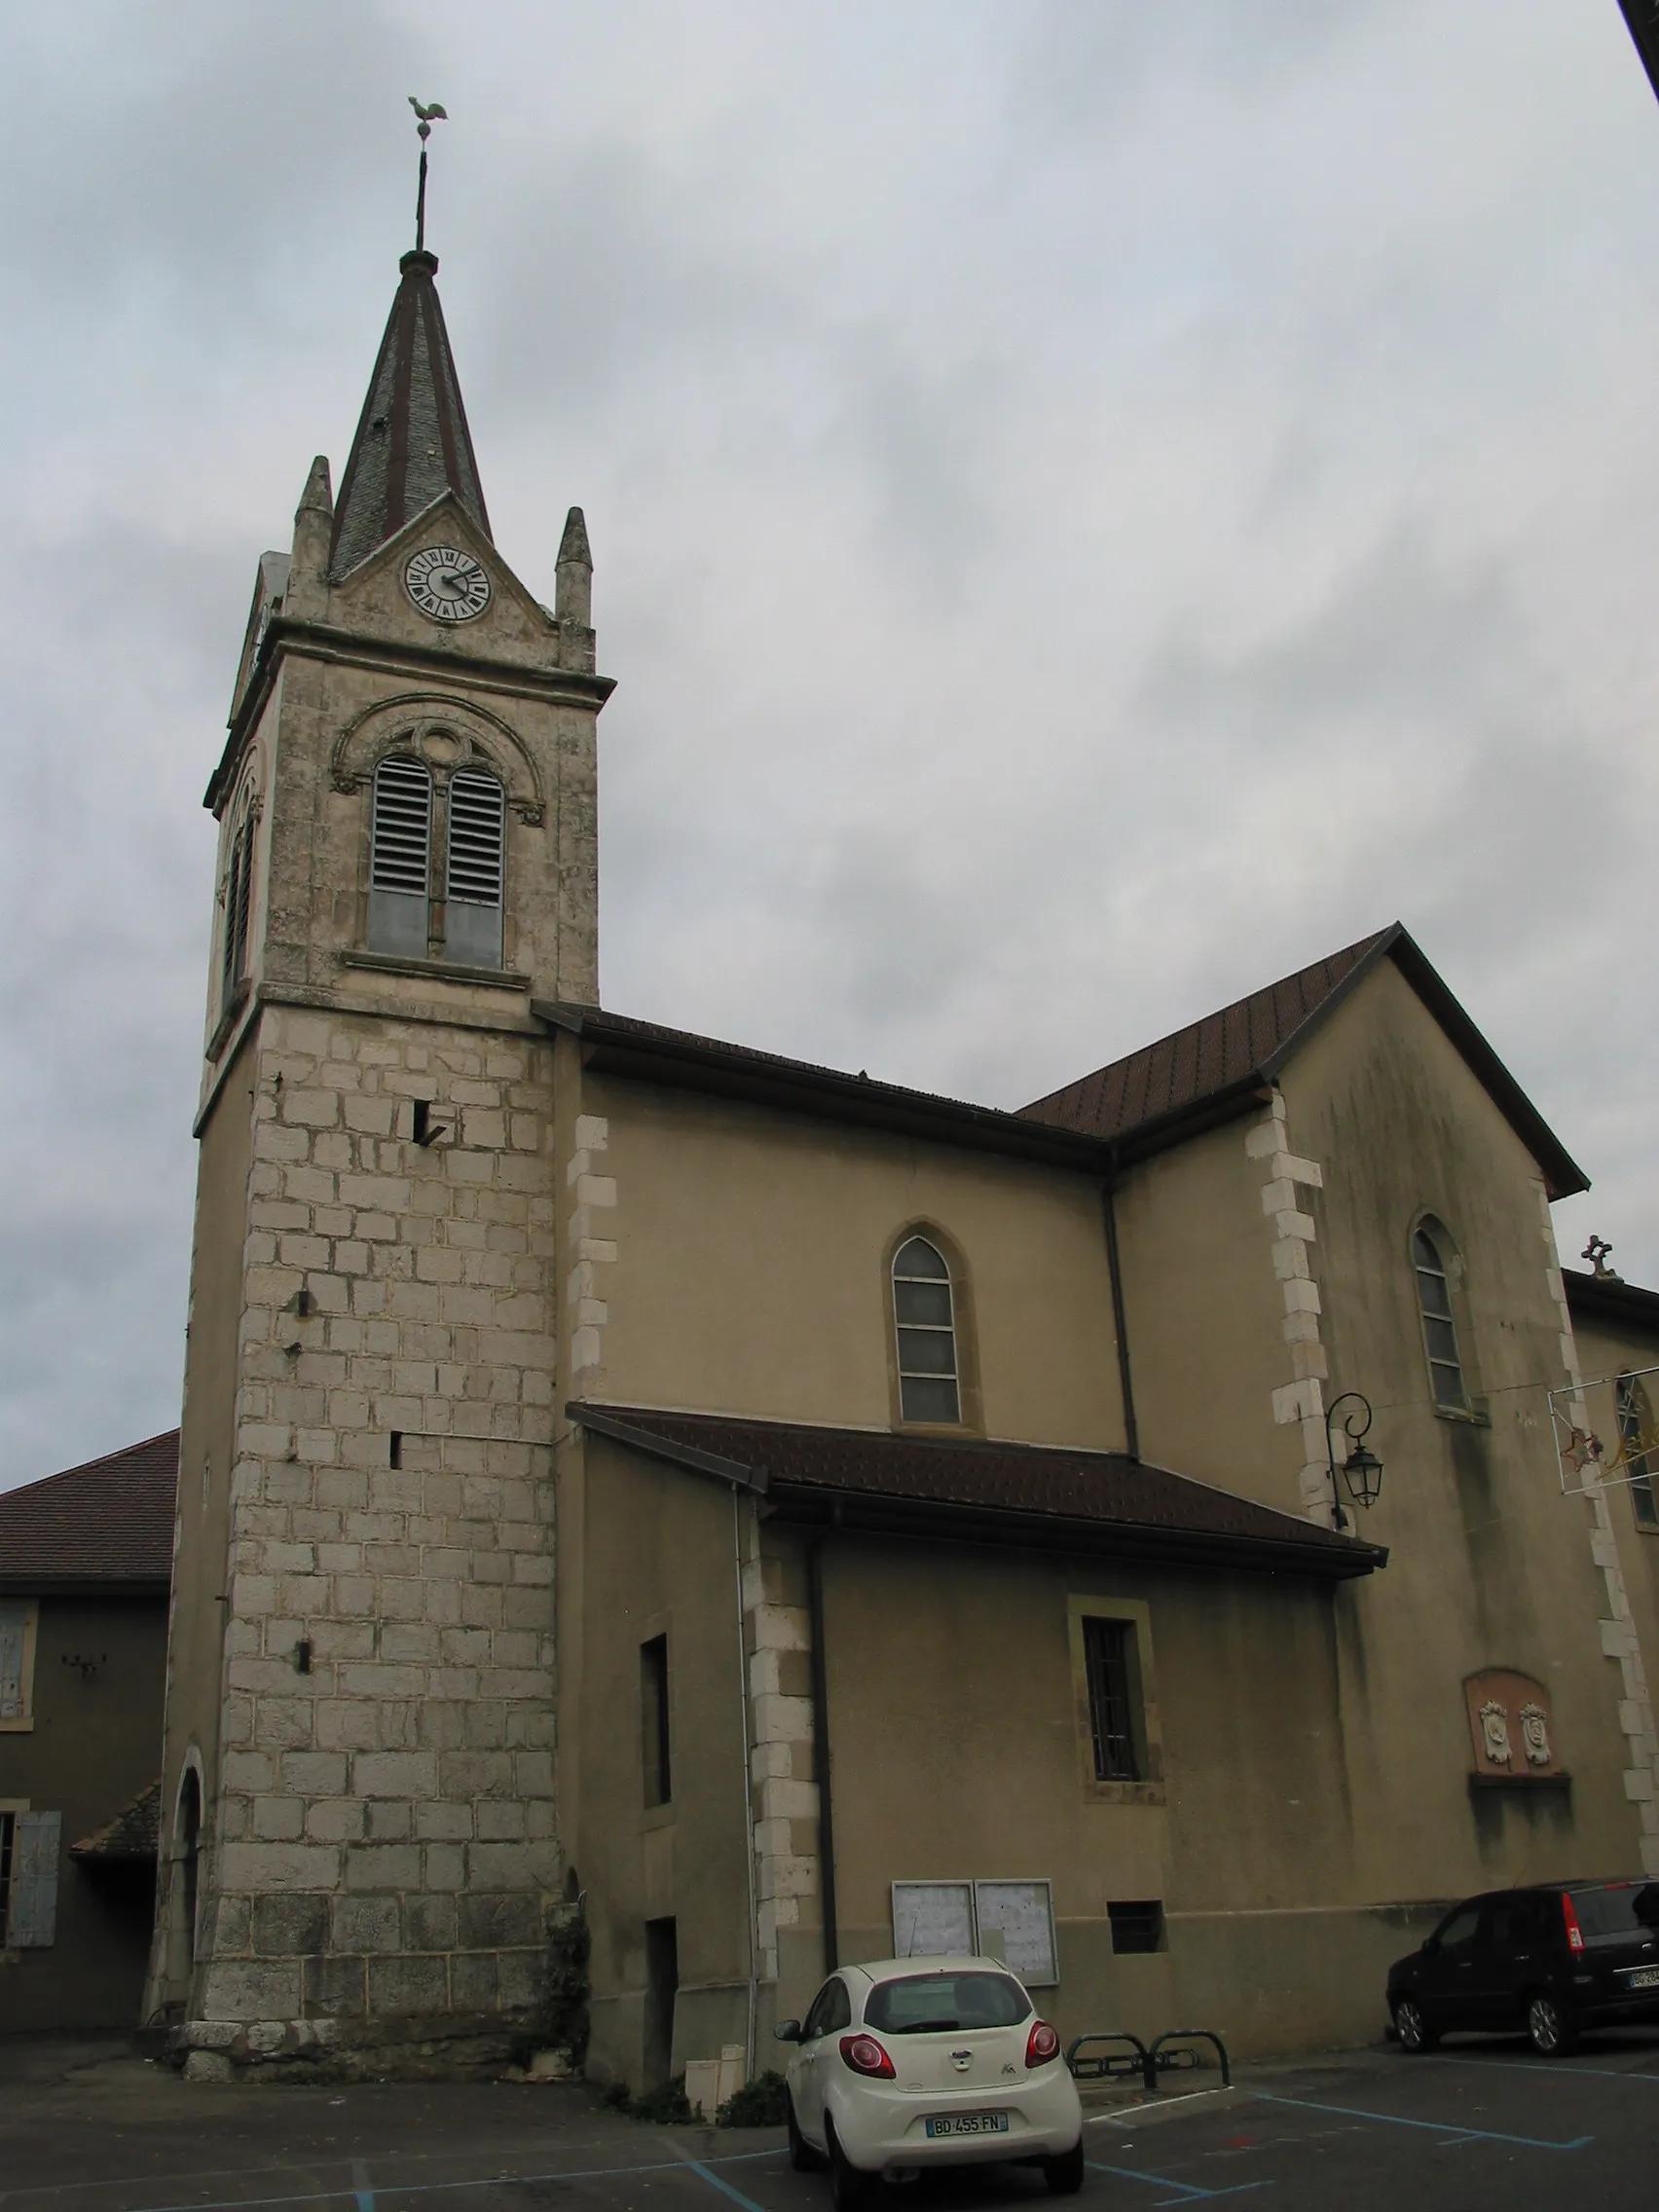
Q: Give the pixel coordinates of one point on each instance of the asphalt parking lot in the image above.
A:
(1475, 2126)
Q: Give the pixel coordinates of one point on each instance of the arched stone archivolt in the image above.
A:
(447, 734)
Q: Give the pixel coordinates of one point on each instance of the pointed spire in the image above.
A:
(412, 443)
(574, 598)
(314, 523)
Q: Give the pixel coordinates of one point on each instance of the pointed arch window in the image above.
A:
(474, 870)
(1431, 1259)
(238, 898)
(400, 857)
(924, 1315)
(1636, 1438)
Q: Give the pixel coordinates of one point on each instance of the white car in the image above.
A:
(913, 2063)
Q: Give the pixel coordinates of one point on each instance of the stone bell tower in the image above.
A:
(358, 1839)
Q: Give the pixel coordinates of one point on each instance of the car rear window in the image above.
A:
(945, 2003)
(1609, 1909)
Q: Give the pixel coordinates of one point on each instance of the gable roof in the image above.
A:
(1209, 1070)
(412, 443)
(105, 1526)
(973, 1489)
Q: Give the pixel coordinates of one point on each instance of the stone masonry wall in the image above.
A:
(382, 1838)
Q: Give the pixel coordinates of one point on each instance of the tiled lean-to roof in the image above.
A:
(134, 1834)
(1032, 1495)
(106, 1525)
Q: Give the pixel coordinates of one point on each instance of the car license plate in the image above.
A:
(969, 2123)
(1644, 1977)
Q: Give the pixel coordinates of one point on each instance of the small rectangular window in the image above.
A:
(1137, 1924)
(654, 1721)
(1109, 1660)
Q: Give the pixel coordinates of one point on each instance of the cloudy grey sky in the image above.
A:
(1094, 505)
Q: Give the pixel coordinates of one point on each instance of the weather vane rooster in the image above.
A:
(424, 117)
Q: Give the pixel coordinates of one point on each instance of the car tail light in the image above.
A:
(865, 2055)
(1574, 1933)
(1041, 2043)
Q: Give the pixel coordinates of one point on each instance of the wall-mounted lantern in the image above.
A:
(1358, 1469)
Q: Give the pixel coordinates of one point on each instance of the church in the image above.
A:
(1178, 1536)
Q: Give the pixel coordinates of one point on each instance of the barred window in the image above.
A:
(924, 1315)
(400, 857)
(1431, 1256)
(473, 875)
(1109, 1663)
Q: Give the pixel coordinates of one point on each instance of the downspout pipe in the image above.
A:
(1120, 1316)
(747, 1787)
(820, 1752)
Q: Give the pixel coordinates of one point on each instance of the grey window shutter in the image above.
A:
(474, 870)
(400, 864)
(33, 1916)
(10, 1662)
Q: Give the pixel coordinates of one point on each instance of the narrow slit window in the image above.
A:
(1439, 1330)
(239, 885)
(475, 869)
(924, 1313)
(1636, 1436)
(654, 1721)
(1108, 1657)
(400, 864)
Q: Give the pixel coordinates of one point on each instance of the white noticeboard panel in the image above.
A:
(930, 1918)
(1022, 1914)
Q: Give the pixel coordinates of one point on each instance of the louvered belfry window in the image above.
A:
(400, 866)
(473, 874)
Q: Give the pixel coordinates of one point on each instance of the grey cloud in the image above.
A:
(1094, 506)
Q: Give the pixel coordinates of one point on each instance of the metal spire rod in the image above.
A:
(424, 117)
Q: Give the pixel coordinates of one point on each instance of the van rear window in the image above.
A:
(945, 2004)
(1609, 1909)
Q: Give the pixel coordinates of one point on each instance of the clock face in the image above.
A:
(447, 584)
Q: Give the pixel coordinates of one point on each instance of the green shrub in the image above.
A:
(763, 2102)
(664, 2107)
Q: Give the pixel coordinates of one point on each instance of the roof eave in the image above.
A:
(704, 1065)
(1610, 1300)
(862, 1513)
(14, 1584)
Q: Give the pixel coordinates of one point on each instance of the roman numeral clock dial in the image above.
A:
(446, 585)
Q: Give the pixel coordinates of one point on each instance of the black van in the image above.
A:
(1546, 1962)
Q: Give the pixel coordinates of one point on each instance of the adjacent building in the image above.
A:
(84, 1559)
(786, 1517)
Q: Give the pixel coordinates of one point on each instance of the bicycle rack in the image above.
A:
(1149, 2060)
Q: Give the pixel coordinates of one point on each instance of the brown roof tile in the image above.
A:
(109, 1521)
(1207, 1058)
(1029, 1493)
(134, 1833)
